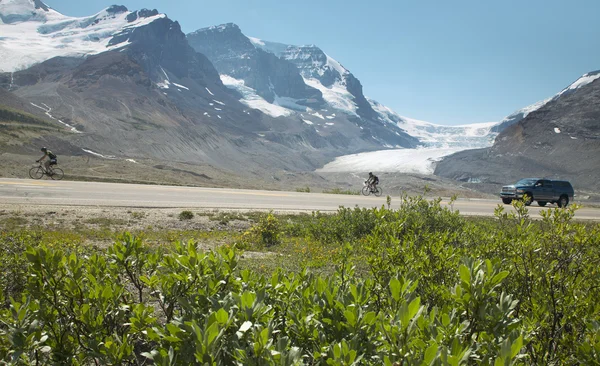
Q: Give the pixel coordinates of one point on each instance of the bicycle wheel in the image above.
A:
(366, 191)
(377, 192)
(36, 172)
(57, 174)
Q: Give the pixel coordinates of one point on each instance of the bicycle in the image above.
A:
(37, 172)
(369, 188)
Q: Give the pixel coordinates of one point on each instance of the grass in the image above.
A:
(104, 221)
(341, 191)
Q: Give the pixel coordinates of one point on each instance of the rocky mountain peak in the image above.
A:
(222, 41)
(235, 55)
(116, 9)
(143, 13)
(314, 63)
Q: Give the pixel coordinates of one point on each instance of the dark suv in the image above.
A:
(541, 190)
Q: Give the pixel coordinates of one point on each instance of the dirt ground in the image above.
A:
(99, 226)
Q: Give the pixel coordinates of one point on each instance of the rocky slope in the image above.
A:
(561, 139)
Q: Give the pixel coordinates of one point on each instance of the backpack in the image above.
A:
(52, 155)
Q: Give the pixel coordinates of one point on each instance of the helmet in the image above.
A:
(44, 149)
(370, 173)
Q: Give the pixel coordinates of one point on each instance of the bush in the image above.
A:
(186, 215)
(13, 263)
(303, 189)
(265, 233)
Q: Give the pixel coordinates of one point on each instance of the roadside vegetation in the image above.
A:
(410, 283)
(341, 191)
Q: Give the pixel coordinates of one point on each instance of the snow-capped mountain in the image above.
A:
(229, 48)
(340, 88)
(524, 112)
(558, 137)
(32, 32)
(273, 79)
(300, 81)
(129, 85)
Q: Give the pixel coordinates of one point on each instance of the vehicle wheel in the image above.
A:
(366, 191)
(542, 203)
(528, 199)
(57, 174)
(563, 201)
(377, 192)
(507, 201)
(36, 172)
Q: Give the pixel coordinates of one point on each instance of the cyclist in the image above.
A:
(373, 181)
(51, 159)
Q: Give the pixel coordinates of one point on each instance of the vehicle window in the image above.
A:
(547, 183)
(526, 182)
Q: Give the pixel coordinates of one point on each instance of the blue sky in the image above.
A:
(446, 62)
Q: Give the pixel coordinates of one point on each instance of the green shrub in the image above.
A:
(340, 191)
(303, 189)
(265, 233)
(186, 215)
(13, 264)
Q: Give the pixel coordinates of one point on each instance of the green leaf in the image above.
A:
(430, 354)
(465, 275)
(395, 287)
(222, 316)
(445, 320)
(248, 299)
(516, 347)
(370, 318)
(212, 333)
(350, 317)
(413, 307)
(499, 277)
(337, 351)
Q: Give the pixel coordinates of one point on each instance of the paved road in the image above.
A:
(48, 192)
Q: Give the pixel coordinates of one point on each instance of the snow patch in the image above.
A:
(317, 114)
(111, 157)
(209, 92)
(333, 64)
(337, 96)
(556, 130)
(308, 122)
(252, 99)
(216, 101)
(181, 86)
(256, 41)
(420, 161)
(582, 81)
